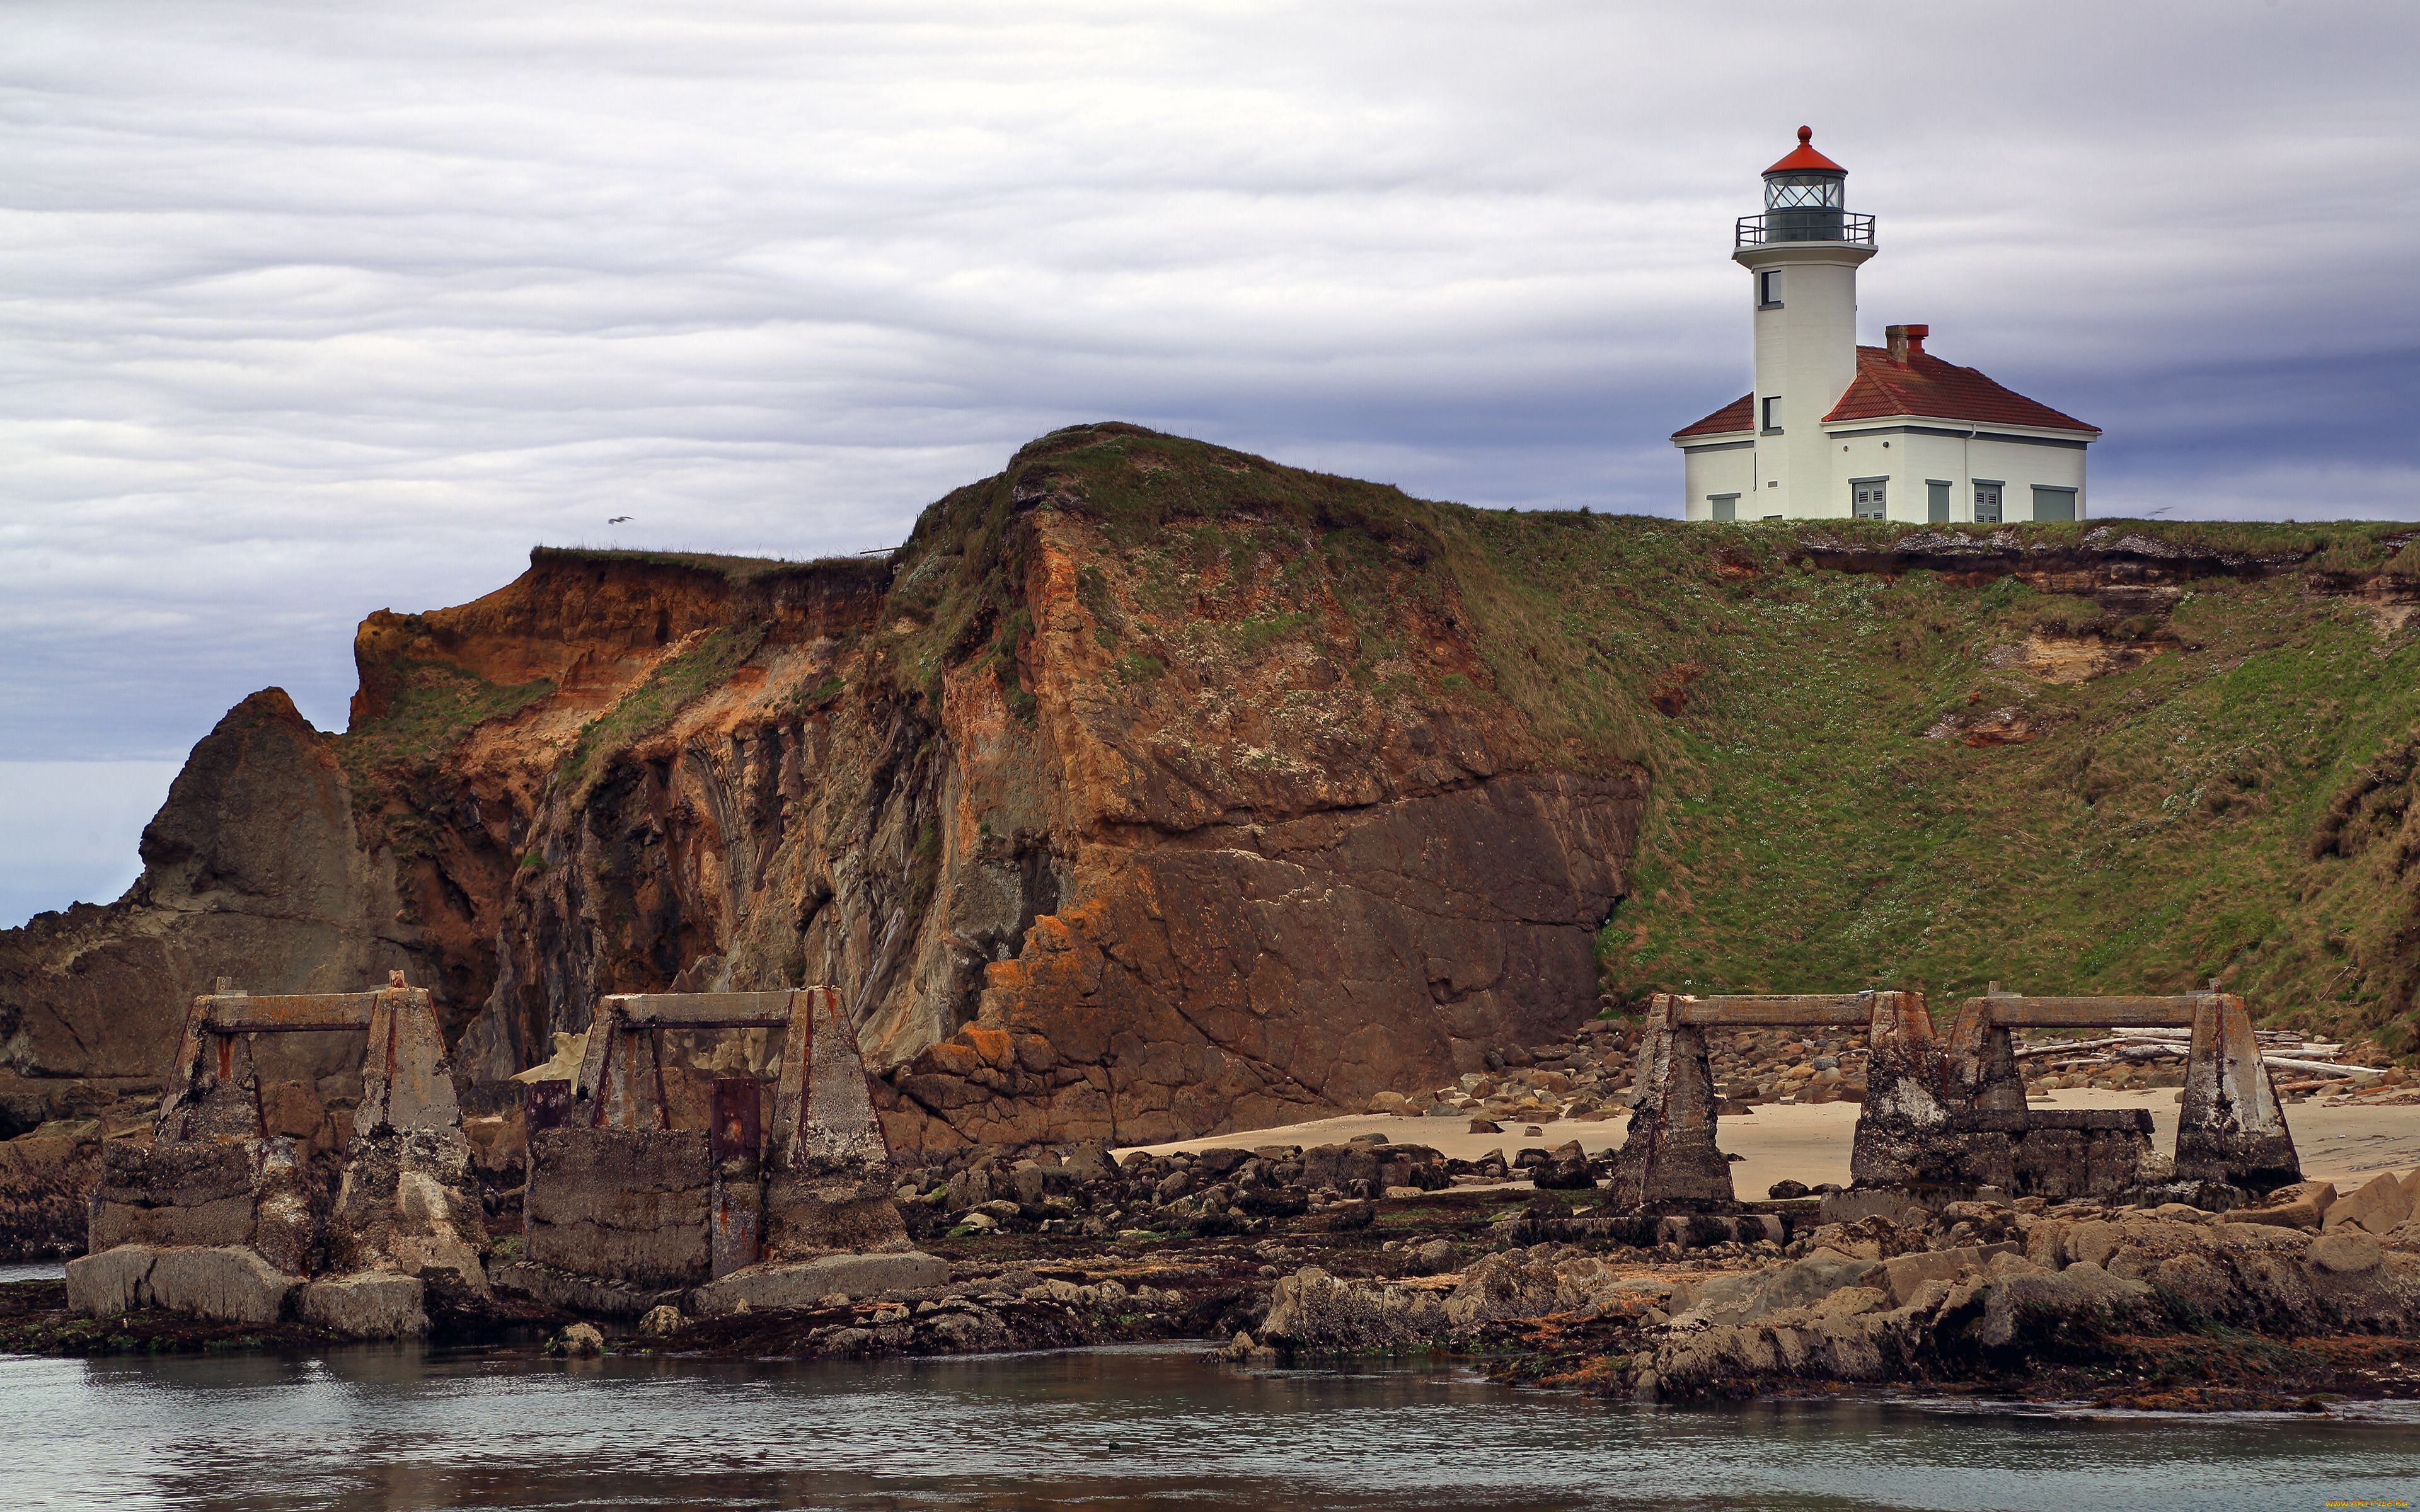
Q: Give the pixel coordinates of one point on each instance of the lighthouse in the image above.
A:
(1831, 429)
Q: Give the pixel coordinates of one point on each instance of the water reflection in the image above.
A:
(1107, 1432)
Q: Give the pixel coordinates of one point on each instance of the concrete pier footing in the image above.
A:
(1943, 1120)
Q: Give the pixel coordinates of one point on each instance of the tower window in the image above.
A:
(1768, 289)
(1772, 413)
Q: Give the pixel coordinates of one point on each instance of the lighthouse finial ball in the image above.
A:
(1807, 133)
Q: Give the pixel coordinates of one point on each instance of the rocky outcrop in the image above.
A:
(1104, 835)
(252, 870)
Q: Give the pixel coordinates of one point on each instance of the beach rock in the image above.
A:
(660, 1321)
(1747, 1296)
(578, 1341)
(2021, 1297)
(2379, 1206)
(2347, 1252)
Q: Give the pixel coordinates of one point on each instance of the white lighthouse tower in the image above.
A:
(1833, 429)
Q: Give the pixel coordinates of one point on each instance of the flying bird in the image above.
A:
(619, 519)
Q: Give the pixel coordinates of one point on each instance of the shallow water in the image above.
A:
(1104, 1431)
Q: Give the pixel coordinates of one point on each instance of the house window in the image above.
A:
(1768, 289)
(1772, 413)
(1936, 501)
(1987, 503)
(1866, 499)
(2053, 503)
(1726, 505)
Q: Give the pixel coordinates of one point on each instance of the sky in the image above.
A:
(312, 309)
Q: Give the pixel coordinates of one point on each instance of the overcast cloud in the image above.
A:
(314, 309)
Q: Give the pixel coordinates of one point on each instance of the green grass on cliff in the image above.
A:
(394, 763)
(2159, 829)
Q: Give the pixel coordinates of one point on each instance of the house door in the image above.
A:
(1936, 502)
(1987, 504)
(1866, 501)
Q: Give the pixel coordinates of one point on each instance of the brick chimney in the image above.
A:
(1905, 342)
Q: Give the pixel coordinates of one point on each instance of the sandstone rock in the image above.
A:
(2379, 1206)
(2019, 1295)
(370, 1305)
(2305, 1206)
(1905, 1275)
(803, 1283)
(2347, 1252)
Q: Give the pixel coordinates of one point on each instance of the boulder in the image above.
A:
(2304, 1205)
(2379, 1206)
(46, 1186)
(2347, 1252)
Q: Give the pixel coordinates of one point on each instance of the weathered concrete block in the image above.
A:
(408, 1201)
(174, 1173)
(233, 1286)
(227, 1221)
(803, 1283)
(560, 1202)
(371, 1304)
(808, 1212)
(109, 1283)
(2229, 1128)
(621, 1160)
(650, 1259)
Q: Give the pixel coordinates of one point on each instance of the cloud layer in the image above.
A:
(315, 309)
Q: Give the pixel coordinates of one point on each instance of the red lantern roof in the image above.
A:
(1804, 157)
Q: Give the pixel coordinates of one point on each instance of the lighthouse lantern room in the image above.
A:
(1833, 429)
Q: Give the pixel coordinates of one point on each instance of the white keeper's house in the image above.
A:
(1833, 429)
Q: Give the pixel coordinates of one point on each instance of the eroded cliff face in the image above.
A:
(1106, 837)
(1151, 789)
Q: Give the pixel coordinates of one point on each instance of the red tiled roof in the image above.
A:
(1739, 414)
(1804, 156)
(1927, 386)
